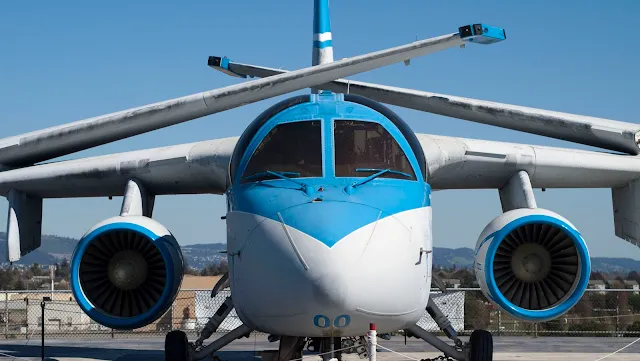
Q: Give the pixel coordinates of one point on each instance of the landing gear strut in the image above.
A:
(328, 348)
(290, 348)
(178, 348)
(479, 347)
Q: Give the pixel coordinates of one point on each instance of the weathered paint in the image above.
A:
(53, 142)
(192, 168)
(202, 167)
(598, 132)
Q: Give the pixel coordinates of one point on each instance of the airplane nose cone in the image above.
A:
(314, 227)
(330, 289)
(290, 256)
(338, 262)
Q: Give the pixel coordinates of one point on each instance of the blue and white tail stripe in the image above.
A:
(322, 39)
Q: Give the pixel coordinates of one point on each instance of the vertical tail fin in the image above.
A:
(322, 42)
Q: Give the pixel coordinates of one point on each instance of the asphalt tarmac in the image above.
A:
(250, 349)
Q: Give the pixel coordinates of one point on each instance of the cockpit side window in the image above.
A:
(292, 149)
(362, 148)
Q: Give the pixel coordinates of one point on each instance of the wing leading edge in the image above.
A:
(453, 163)
(201, 167)
(459, 163)
(193, 168)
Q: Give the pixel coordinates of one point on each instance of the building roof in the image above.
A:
(631, 283)
(199, 282)
(596, 282)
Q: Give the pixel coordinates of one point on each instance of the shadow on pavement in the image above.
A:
(61, 353)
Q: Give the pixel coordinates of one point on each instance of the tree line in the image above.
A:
(18, 278)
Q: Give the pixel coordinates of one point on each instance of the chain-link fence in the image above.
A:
(599, 313)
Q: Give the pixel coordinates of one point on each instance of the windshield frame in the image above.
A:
(258, 139)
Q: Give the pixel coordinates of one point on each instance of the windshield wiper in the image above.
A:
(378, 173)
(383, 171)
(281, 175)
(278, 174)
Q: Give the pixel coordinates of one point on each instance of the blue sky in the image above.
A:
(66, 61)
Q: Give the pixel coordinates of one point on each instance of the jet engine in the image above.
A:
(126, 271)
(532, 263)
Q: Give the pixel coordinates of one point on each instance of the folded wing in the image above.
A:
(598, 132)
(50, 143)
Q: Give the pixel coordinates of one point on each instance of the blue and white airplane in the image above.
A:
(328, 203)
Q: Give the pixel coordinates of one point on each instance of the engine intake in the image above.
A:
(532, 263)
(126, 272)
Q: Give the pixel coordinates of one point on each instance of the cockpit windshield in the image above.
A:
(292, 149)
(362, 147)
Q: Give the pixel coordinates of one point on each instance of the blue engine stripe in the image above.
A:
(551, 313)
(123, 322)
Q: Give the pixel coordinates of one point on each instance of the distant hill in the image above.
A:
(198, 256)
(447, 257)
(54, 249)
(463, 258)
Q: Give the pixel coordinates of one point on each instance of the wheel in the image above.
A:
(176, 346)
(481, 346)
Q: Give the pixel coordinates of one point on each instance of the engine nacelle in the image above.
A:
(126, 271)
(532, 263)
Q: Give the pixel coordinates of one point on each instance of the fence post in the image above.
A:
(499, 322)
(172, 309)
(26, 312)
(6, 314)
(618, 315)
(42, 304)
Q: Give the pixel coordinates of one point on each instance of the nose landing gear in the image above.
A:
(176, 346)
(480, 346)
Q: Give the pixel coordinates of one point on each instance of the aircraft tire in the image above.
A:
(176, 346)
(481, 346)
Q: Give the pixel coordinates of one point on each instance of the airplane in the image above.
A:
(329, 228)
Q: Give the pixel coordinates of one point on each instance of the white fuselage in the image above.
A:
(286, 282)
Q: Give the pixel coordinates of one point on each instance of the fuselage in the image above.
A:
(329, 219)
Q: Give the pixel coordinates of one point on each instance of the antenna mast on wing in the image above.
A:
(322, 52)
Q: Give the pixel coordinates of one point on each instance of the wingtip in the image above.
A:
(222, 64)
(214, 61)
(482, 33)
